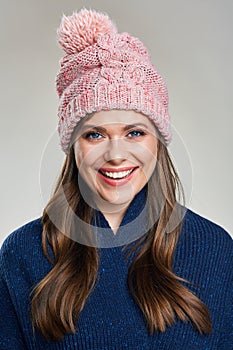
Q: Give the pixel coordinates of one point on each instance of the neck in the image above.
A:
(113, 213)
(114, 219)
(116, 216)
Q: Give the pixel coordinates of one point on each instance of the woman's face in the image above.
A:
(115, 153)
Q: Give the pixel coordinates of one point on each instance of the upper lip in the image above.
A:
(116, 170)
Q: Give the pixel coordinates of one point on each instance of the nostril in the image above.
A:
(115, 152)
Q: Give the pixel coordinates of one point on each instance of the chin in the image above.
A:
(118, 197)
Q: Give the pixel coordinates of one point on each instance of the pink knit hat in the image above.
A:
(105, 70)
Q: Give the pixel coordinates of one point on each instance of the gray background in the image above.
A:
(191, 46)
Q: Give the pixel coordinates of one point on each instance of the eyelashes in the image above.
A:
(136, 133)
(94, 135)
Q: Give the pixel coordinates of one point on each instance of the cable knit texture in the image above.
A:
(110, 319)
(105, 70)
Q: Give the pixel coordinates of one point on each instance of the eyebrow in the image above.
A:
(100, 128)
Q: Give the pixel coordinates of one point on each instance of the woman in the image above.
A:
(115, 262)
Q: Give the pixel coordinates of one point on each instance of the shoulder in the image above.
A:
(22, 241)
(31, 231)
(198, 227)
(22, 256)
(204, 245)
(204, 252)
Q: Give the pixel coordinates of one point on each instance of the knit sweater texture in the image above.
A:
(111, 319)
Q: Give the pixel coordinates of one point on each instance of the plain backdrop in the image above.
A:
(191, 45)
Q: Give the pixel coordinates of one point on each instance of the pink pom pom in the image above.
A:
(82, 29)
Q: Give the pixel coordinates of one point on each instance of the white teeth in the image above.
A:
(117, 175)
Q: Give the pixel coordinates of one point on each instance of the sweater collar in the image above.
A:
(132, 227)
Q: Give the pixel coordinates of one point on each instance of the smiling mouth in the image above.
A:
(117, 174)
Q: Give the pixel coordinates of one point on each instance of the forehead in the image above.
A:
(118, 117)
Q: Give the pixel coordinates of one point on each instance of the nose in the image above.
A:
(116, 151)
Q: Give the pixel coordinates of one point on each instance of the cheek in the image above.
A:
(148, 151)
(79, 155)
(153, 154)
(85, 156)
(150, 156)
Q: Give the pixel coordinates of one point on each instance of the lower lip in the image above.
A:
(117, 182)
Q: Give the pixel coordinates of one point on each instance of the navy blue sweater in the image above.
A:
(110, 318)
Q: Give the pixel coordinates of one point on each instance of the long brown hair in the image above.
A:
(159, 293)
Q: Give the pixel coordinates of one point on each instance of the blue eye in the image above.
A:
(93, 135)
(136, 133)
